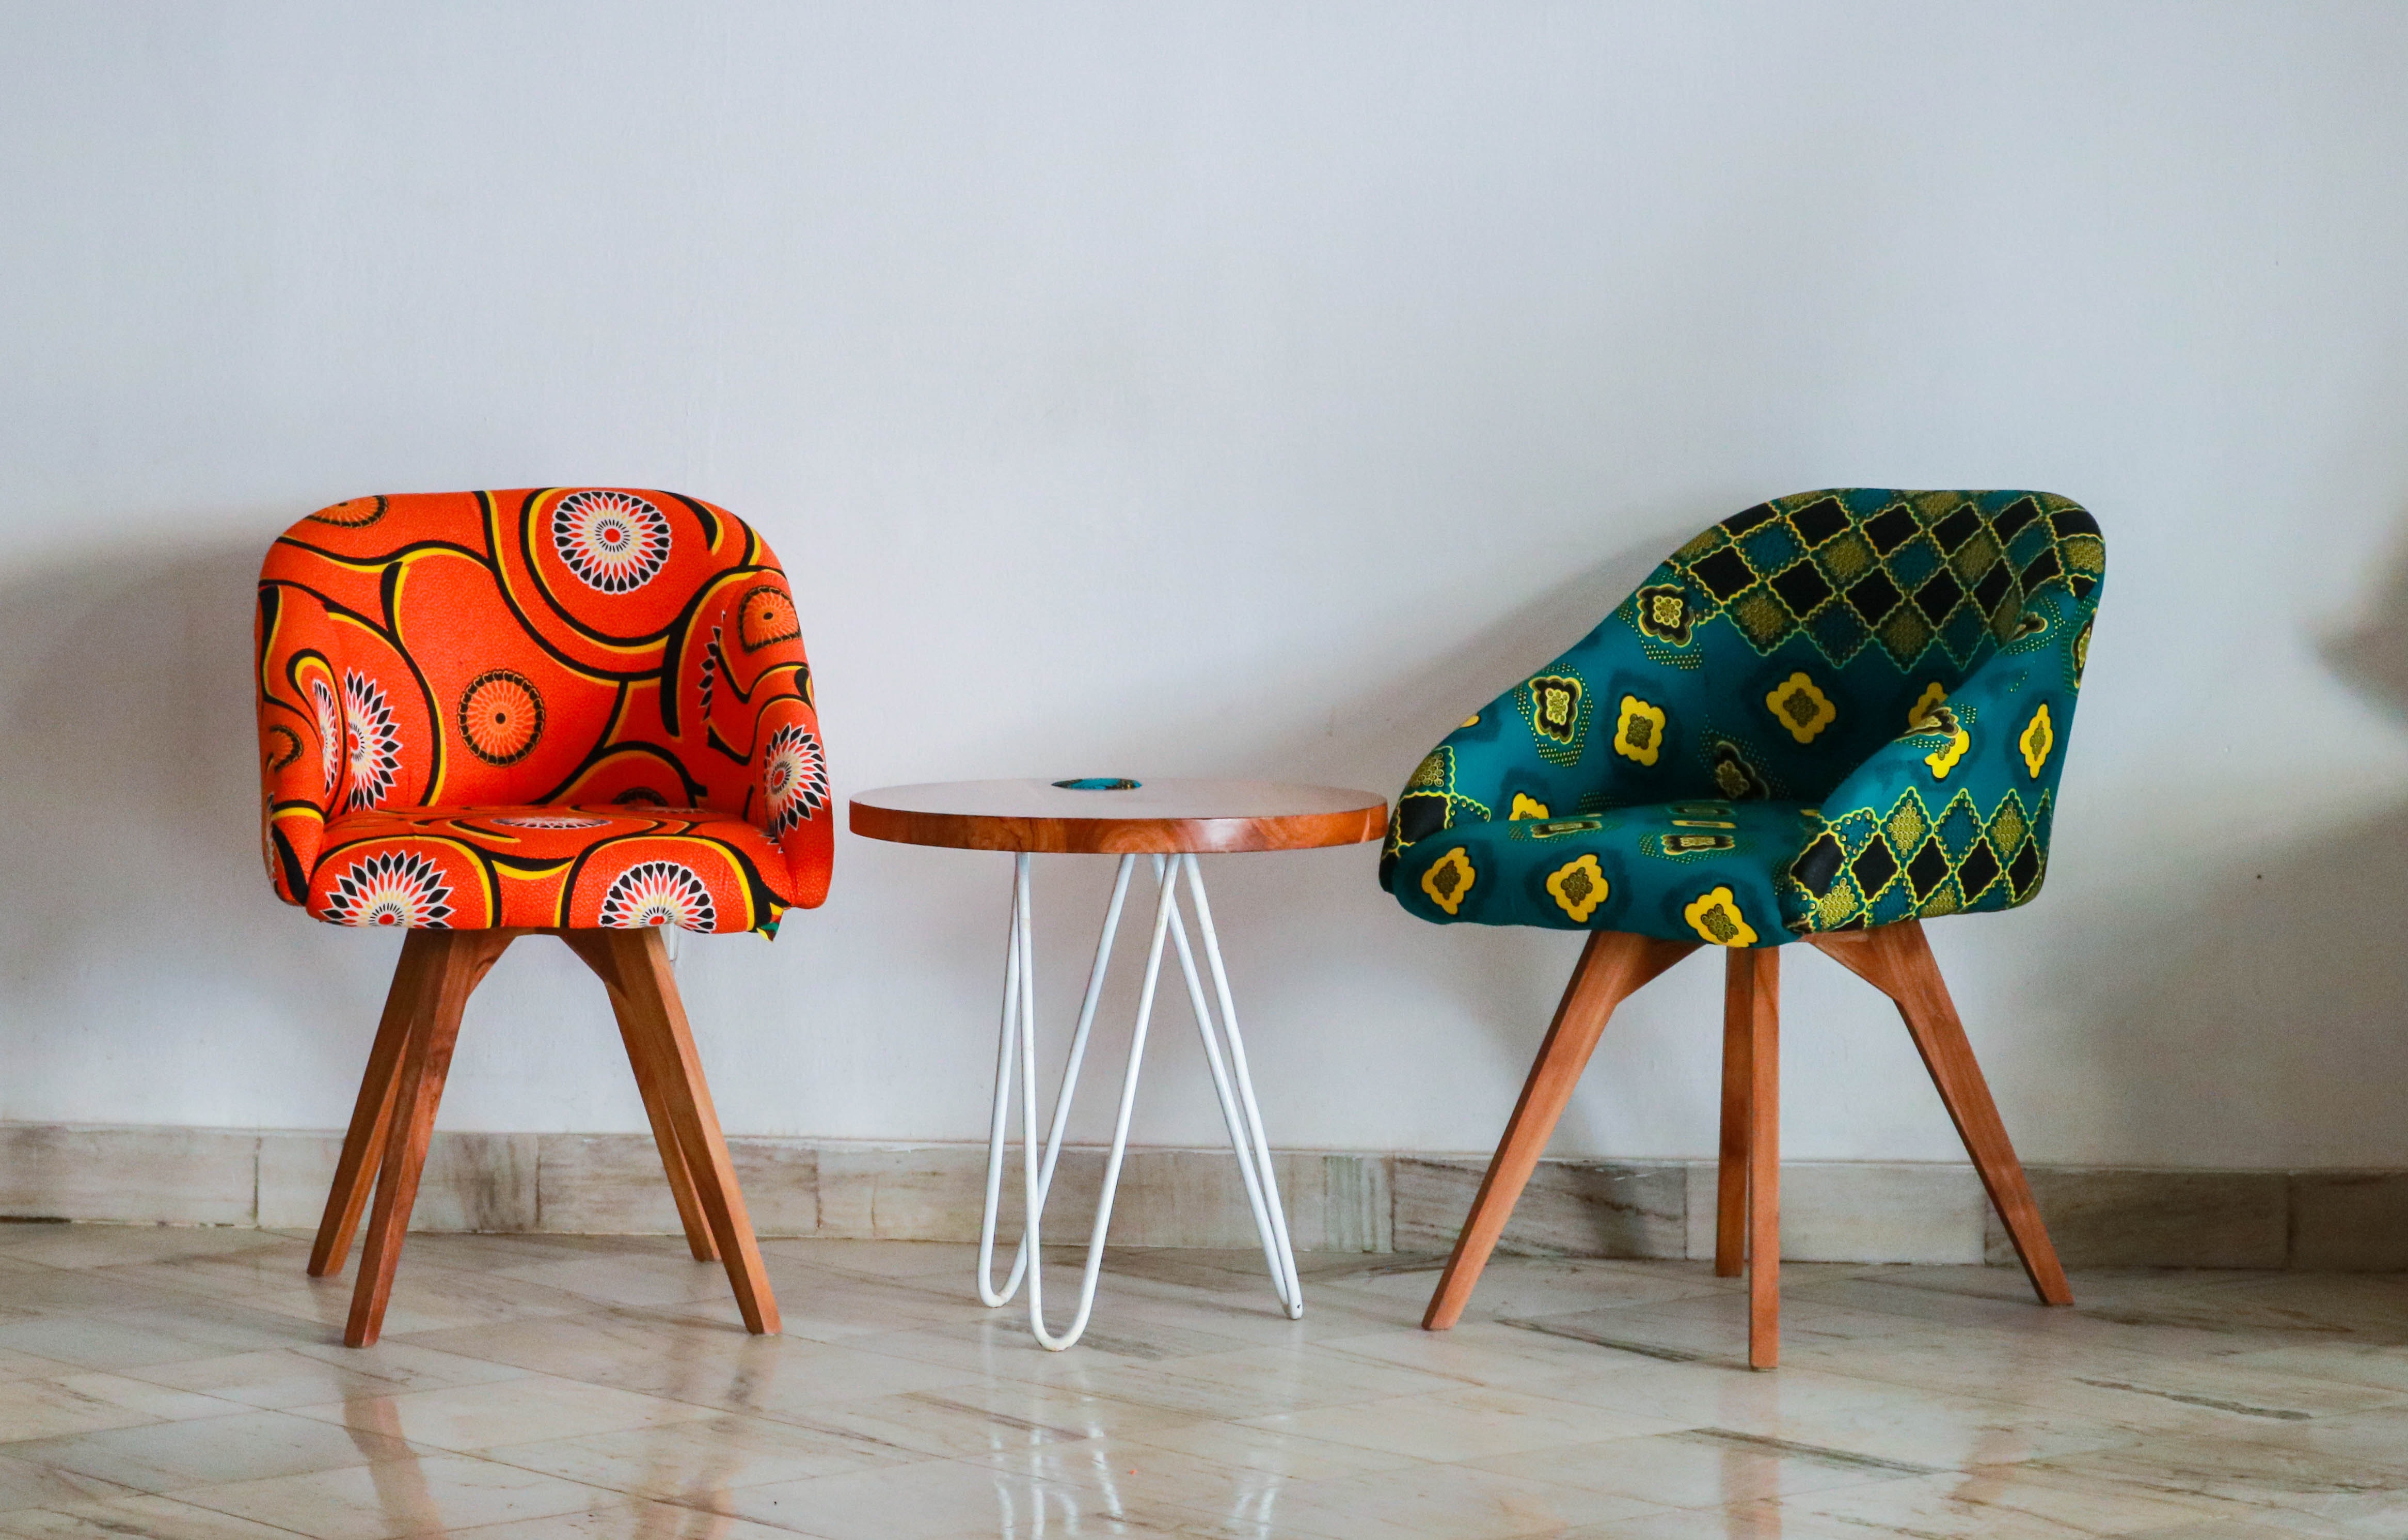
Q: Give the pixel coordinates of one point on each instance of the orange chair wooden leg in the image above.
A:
(594, 947)
(657, 1017)
(457, 962)
(355, 1169)
(1613, 967)
(1896, 960)
(1763, 967)
(1731, 1174)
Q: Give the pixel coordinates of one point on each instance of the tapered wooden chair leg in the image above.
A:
(658, 1018)
(1896, 960)
(457, 962)
(1731, 1174)
(355, 1169)
(1763, 1156)
(1613, 967)
(595, 950)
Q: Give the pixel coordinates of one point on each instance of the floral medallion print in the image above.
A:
(1449, 878)
(1715, 917)
(1663, 613)
(1639, 730)
(768, 616)
(552, 820)
(658, 893)
(330, 733)
(613, 540)
(283, 747)
(1554, 707)
(375, 743)
(397, 888)
(1579, 887)
(1802, 707)
(793, 776)
(356, 513)
(501, 716)
(2039, 737)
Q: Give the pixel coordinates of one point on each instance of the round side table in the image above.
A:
(1172, 822)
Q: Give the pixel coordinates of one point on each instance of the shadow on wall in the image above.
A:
(2276, 1015)
(139, 904)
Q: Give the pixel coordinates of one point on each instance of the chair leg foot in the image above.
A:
(1731, 1174)
(1613, 967)
(656, 1017)
(457, 961)
(1763, 1011)
(593, 948)
(355, 1169)
(1896, 960)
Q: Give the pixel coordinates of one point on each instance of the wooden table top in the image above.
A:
(1152, 817)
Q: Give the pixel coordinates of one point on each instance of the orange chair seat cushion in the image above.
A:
(545, 867)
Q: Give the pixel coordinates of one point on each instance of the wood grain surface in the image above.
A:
(1158, 817)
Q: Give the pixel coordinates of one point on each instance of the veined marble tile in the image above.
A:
(927, 1192)
(613, 1184)
(1570, 1208)
(471, 1181)
(167, 1456)
(409, 1497)
(1865, 1212)
(2114, 1217)
(203, 1176)
(133, 1519)
(2349, 1221)
(518, 1410)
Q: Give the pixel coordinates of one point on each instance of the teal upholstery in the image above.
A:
(1833, 710)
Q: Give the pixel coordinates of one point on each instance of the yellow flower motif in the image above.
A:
(1525, 808)
(1448, 879)
(1943, 759)
(1801, 708)
(1471, 721)
(1716, 917)
(1638, 732)
(1579, 888)
(2038, 739)
(1934, 693)
(2081, 654)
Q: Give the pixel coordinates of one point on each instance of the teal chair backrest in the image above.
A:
(1898, 668)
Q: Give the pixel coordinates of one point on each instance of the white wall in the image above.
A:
(1239, 390)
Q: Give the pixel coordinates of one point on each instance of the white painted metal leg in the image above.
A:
(1239, 1109)
(1016, 1053)
(988, 1294)
(1035, 1198)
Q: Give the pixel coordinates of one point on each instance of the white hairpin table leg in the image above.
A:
(1016, 1052)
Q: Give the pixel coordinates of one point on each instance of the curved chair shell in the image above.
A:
(561, 707)
(1830, 711)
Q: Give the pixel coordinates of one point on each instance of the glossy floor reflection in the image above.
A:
(191, 1383)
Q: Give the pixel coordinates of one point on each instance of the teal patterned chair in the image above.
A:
(1825, 719)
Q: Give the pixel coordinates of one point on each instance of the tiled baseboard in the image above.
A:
(1869, 1212)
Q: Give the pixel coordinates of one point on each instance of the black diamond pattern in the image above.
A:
(1818, 522)
(1890, 529)
(1956, 528)
(1748, 518)
(2026, 870)
(1801, 588)
(1929, 869)
(1979, 870)
(1939, 596)
(1724, 573)
(1993, 587)
(2043, 568)
(1874, 597)
(1818, 866)
(2011, 523)
(1873, 866)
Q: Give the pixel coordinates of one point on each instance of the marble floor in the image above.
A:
(190, 1383)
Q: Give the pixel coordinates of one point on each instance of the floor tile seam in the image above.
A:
(263, 1523)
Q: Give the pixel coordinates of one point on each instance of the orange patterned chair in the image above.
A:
(579, 712)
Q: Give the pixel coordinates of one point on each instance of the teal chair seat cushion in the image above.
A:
(1699, 871)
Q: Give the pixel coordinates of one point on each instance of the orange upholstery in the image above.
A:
(558, 707)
